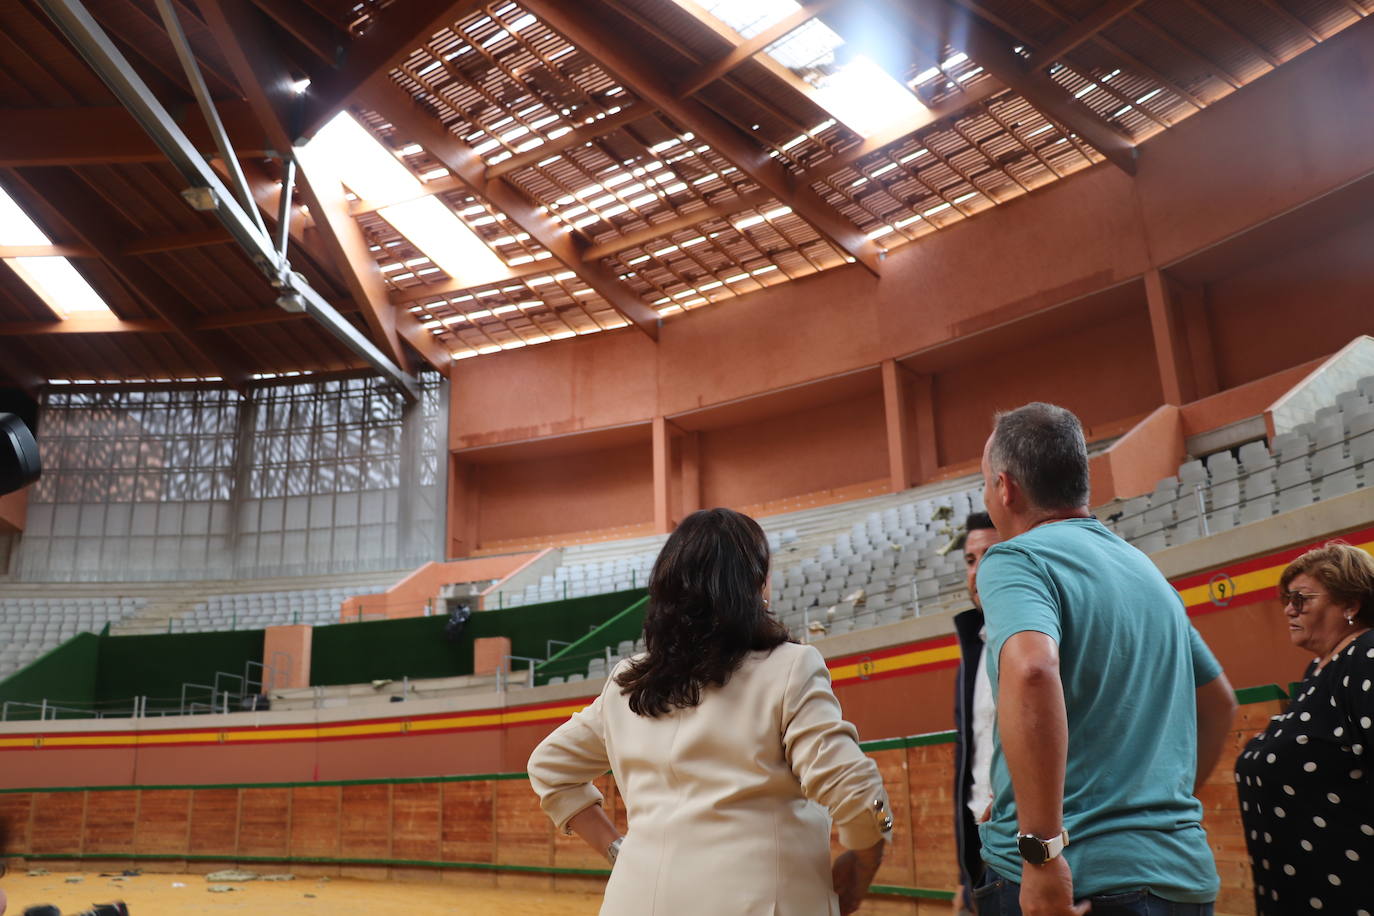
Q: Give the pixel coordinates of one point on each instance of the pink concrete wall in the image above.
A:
(1314, 299)
(1117, 354)
(830, 446)
(579, 492)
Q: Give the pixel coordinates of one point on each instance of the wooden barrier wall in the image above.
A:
(489, 828)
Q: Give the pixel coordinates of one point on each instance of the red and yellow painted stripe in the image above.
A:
(442, 723)
(1240, 584)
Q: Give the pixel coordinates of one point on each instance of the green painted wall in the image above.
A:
(414, 647)
(156, 666)
(65, 676)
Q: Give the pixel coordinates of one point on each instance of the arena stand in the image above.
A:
(456, 746)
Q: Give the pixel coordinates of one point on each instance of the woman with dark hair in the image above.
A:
(1304, 782)
(727, 745)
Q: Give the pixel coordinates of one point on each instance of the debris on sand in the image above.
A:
(38, 872)
(221, 888)
(74, 879)
(285, 876)
(232, 874)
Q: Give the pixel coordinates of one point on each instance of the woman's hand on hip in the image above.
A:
(853, 872)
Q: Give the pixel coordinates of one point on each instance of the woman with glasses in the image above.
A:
(1306, 783)
(727, 745)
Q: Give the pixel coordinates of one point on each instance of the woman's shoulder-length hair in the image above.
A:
(707, 611)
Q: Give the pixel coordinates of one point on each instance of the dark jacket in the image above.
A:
(967, 626)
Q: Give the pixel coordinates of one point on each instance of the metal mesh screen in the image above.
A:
(300, 478)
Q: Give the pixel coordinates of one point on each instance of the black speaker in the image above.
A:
(19, 462)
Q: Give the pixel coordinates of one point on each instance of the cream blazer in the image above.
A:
(730, 802)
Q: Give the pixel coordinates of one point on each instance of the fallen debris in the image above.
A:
(232, 874)
(221, 888)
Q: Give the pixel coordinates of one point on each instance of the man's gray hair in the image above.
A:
(1041, 447)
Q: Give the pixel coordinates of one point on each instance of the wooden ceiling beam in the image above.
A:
(630, 63)
(410, 295)
(575, 137)
(991, 49)
(46, 251)
(87, 323)
(397, 31)
(315, 33)
(253, 317)
(393, 103)
(750, 201)
(61, 197)
(713, 70)
(179, 241)
(108, 134)
(257, 64)
(1082, 31)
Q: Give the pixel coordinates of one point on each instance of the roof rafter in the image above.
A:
(392, 102)
(1082, 31)
(992, 50)
(750, 201)
(713, 70)
(317, 34)
(88, 324)
(58, 196)
(404, 27)
(108, 134)
(575, 137)
(634, 67)
(46, 251)
(252, 54)
(179, 241)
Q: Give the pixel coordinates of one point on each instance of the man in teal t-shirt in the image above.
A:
(1111, 709)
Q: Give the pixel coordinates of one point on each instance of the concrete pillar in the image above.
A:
(922, 427)
(1197, 326)
(895, 406)
(463, 509)
(286, 651)
(691, 473)
(1171, 344)
(663, 477)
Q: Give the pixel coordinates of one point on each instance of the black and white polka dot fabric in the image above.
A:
(1307, 794)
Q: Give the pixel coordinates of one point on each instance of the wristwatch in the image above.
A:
(613, 850)
(1037, 850)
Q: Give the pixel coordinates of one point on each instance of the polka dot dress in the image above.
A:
(1307, 794)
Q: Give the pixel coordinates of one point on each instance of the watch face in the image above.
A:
(1032, 849)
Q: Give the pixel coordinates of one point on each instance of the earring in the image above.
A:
(1350, 621)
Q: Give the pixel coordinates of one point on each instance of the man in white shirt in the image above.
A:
(974, 716)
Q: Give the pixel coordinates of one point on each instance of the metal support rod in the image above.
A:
(288, 185)
(207, 108)
(1201, 509)
(90, 40)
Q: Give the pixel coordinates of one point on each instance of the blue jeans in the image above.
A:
(998, 896)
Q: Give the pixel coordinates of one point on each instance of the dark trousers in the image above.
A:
(998, 896)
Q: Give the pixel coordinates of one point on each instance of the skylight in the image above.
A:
(849, 85)
(346, 150)
(53, 278)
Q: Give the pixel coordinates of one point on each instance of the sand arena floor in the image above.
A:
(152, 894)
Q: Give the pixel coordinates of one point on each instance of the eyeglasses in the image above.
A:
(1297, 599)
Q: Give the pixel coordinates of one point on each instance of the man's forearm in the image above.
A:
(1034, 730)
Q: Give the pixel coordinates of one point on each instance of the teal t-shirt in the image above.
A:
(1130, 662)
